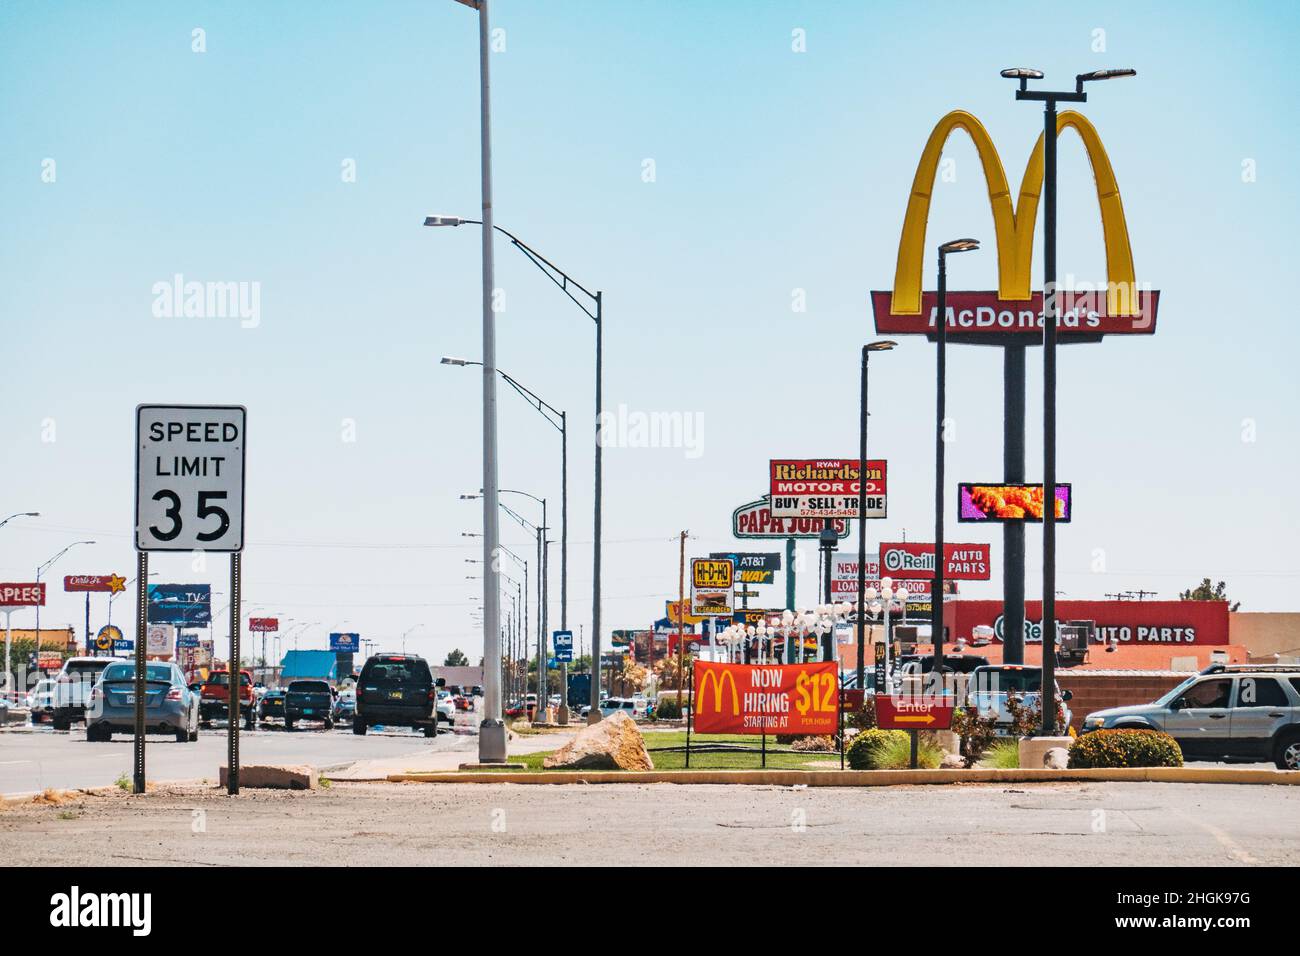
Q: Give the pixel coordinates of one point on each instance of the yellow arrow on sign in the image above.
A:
(903, 719)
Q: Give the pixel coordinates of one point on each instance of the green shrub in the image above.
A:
(667, 708)
(1125, 748)
(1004, 755)
(891, 750)
(860, 753)
(977, 732)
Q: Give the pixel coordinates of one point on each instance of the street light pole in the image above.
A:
(940, 411)
(883, 345)
(39, 571)
(1049, 100)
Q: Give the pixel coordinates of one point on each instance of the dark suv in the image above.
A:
(308, 700)
(397, 690)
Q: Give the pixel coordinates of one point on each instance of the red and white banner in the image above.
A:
(22, 595)
(798, 699)
(983, 313)
(825, 487)
(844, 581)
(914, 560)
(260, 624)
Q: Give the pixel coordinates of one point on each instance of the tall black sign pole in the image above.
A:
(141, 638)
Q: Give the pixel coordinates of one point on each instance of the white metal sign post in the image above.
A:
(189, 496)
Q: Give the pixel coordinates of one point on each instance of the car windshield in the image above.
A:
(154, 672)
(85, 668)
(999, 681)
(1170, 696)
(309, 687)
(397, 672)
(222, 679)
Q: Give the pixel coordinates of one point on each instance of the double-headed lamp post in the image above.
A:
(940, 412)
(1049, 99)
(883, 345)
(41, 570)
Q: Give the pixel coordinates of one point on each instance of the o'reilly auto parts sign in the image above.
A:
(915, 560)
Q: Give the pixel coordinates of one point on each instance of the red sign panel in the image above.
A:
(766, 699)
(1128, 622)
(264, 624)
(917, 712)
(110, 583)
(914, 560)
(22, 595)
(824, 476)
(983, 313)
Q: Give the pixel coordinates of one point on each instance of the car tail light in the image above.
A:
(174, 694)
(433, 696)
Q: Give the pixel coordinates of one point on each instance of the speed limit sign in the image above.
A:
(189, 477)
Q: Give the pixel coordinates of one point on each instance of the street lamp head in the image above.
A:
(1022, 73)
(1104, 75)
(959, 245)
(443, 221)
(451, 360)
(470, 498)
(882, 345)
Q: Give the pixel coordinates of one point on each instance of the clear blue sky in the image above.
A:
(774, 171)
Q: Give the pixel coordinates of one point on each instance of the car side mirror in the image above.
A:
(440, 682)
(1177, 704)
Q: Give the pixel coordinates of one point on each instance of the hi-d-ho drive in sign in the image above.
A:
(825, 488)
(190, 477)
(914, 560)
(800, 699)
(712, 581)
(1014, 311)
(1008, 502)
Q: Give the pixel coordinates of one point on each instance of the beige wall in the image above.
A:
(1264, 633)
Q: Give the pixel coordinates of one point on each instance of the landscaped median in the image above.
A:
(858, 778)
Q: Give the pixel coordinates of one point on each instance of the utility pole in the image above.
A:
(681, 618)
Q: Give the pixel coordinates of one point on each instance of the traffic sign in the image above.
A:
(189, 467)
(563, 646)
(916, 712)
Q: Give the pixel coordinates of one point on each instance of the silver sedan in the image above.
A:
(170, 707)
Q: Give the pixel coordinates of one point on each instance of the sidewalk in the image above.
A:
(450, 760)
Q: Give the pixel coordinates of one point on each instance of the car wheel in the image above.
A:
(194, 735)
(288, 724)
(182, 735)
(329, 725)
(358, 727)
(431, 730)
(1288, 752)
(61, 724)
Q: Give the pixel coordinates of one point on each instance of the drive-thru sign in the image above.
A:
(189, 492)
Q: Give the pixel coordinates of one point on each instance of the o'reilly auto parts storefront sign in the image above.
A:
(1128, 622)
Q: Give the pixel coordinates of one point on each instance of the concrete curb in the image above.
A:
(862, 778)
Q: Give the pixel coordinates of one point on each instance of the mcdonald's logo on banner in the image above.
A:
(1120, 307)
(798, 699)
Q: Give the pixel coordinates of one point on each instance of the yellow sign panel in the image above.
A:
(713, 573)
(1013, 226)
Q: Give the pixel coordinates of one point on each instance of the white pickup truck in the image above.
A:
(72, 688)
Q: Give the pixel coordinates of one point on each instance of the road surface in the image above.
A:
(975, 827)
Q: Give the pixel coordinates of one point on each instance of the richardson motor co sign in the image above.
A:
(913, 559)
(825, 488)
(1128, 622)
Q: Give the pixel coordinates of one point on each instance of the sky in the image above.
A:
(709, 167)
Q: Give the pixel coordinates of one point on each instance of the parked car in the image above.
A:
(169, 708)
(518, 708)
(462, 701)
(271, 706)
(41, 700)
(1229, 713)
(476, 690)
(214, 701)
(397, 690)
(345, 706)
(988, 688)
(308, 700)
(447, 709)
(613, 705)
(72, 688)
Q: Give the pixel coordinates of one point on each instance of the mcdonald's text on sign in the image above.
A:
(918, 712)
(766, 699)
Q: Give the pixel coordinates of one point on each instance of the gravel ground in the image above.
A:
(412, 824)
